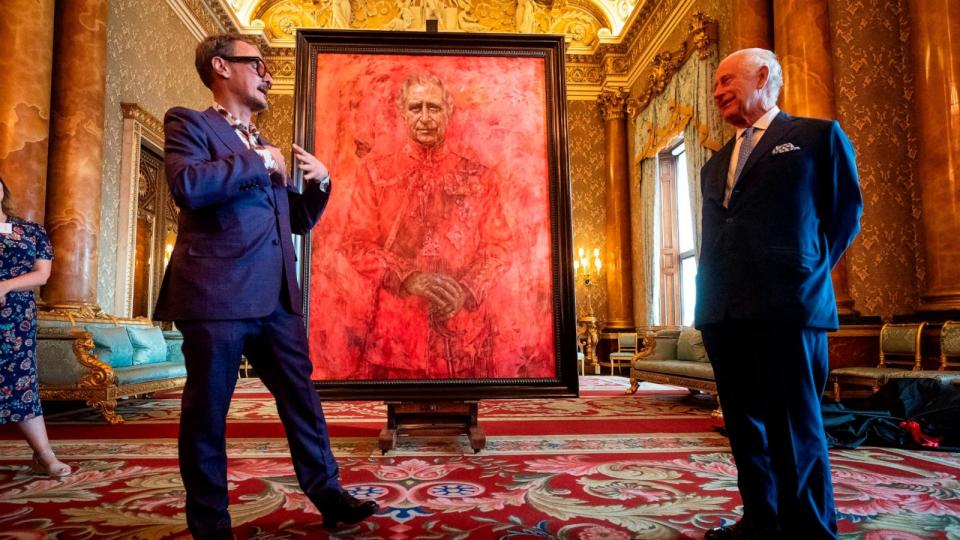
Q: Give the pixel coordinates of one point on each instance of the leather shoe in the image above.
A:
(742, 531)
(737, 531)
(348, 510)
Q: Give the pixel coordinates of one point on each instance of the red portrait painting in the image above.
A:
(433, 259)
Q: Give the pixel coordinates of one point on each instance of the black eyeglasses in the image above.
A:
(258, 63)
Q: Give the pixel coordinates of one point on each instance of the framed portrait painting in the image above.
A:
(441, 266)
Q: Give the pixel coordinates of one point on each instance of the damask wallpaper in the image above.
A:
(150, 63)
(276, 123)
(589, 191)
(874, 95)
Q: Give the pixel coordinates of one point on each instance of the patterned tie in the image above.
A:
(746, 146)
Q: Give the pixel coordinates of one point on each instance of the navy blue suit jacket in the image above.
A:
(791, 216)
(234, 253)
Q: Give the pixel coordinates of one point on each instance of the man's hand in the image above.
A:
(278, 174)
(313, 169)
(444, 293)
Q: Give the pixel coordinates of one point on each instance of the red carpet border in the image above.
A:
(605, 466)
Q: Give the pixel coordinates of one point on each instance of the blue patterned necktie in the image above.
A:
(746, 146)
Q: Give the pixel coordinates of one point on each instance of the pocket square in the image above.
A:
(786, 147)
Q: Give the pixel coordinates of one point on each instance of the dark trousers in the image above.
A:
(276, 346)
(770, 377)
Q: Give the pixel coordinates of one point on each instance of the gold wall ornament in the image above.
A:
(281, 20)
(703, 33)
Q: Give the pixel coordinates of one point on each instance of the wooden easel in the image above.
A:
(432, 418)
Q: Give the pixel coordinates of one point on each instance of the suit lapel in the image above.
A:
(224, 132)
(229, 137)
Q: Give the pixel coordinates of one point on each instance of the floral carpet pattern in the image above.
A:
(603, 467)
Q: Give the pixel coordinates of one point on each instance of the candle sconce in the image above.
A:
(588, 327)
(588, 271)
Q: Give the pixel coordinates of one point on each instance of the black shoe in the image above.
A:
(348, 510)
(737, 531)
(742, 531)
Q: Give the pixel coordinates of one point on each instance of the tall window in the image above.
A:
(678, 264)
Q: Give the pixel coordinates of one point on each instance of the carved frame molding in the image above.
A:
(140, 128)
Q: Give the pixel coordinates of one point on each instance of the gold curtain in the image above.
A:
(685, 107)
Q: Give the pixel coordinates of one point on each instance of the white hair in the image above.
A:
(756, 58)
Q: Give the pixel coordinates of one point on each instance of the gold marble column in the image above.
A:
(616, 258)
(802, 41)
(26, 30)
(76, 150)
(751, 24)
(935, 43)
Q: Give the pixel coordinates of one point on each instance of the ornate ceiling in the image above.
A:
(607, 40)
(586, 23)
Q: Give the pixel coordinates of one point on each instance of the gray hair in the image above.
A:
(424, 79)
(756, 58)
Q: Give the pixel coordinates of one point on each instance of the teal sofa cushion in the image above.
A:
(113, 345)
(149, 347)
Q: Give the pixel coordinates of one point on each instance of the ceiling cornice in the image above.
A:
(615, 62)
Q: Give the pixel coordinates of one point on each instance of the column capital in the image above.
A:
(616, 103)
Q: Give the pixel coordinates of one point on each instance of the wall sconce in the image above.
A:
(589, 272)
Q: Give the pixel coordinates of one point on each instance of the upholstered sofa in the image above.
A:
(672, 356)
(99, 360)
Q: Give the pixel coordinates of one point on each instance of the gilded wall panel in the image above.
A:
(589, 191)
(874, 89)
(149, 62)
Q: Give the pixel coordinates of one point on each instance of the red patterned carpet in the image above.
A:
(605, 466)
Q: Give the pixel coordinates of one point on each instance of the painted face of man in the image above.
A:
(426, 114)
(737, 91)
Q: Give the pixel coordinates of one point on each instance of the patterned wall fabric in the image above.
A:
(276, 125)
(589, 190)
(150, 63)
(874, 89)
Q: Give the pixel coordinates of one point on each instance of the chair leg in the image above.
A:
(836, 390)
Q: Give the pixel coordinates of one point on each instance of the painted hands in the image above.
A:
(445, 295)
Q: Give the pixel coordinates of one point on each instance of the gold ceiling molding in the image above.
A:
(198, 17)
(609, 41)
(582, 21)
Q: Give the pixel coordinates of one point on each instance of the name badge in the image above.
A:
(6, 228)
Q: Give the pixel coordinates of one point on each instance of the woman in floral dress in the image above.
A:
(25, 260)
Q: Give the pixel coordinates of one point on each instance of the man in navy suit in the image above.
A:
(781, 203)
(231, 284)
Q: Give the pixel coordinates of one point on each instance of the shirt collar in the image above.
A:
(764, 121)
(250, 129)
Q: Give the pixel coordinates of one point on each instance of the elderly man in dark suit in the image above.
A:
(781, 203)
(231, 284)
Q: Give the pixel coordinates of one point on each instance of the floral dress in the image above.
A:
(19, 390)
